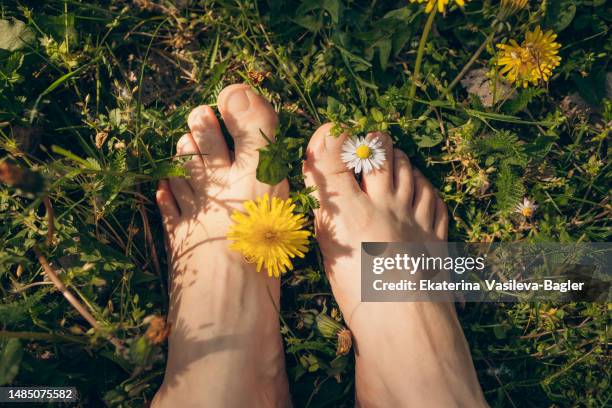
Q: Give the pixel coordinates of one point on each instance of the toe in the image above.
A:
(378, 183)
(186, 149)
(183, 194)
(207, 135)
(247, 115)
(403, 179)
(167, 205)
(183, 188)
(324, 169)
(441, 221)
(424, 201)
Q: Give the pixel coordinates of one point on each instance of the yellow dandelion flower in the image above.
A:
(439, 4)
(515, 4)
(269, 234)
(510, 7)
(532, 61)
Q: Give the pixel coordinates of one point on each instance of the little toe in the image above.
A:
(248, 117)
(207, 135)
(183, 194)
(424, 201)
(403, 178)
(183, 188)
(441, 221)
(324, 169)
(167, 204)
(187, 149)
(378, 183)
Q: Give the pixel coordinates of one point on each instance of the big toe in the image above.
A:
(324, 169)
(251, 121)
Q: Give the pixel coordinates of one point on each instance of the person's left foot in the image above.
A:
(410, 354)
(225, 347)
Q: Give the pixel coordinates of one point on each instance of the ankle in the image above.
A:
(224, 381)
(420, 344)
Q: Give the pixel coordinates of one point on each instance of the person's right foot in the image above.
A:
(407, 354)
(225, 347)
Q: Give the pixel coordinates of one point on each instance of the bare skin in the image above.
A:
(407, 354)
(225, 348)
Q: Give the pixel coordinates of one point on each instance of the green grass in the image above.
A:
(95, 94)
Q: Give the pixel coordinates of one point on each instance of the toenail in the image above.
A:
(182, 142)
(238, 101)
(198, 117)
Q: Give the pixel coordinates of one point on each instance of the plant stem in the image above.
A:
(459, 76)
(50, 220)
(469, 64)
(78, 306)
(419, 61)
(151, 243)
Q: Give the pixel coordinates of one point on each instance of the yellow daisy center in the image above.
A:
(363, 152)
(527, 211)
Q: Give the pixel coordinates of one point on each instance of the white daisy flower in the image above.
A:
(526, 208)
(363, 155)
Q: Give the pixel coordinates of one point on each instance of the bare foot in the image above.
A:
(407, 354)
(225, 348)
